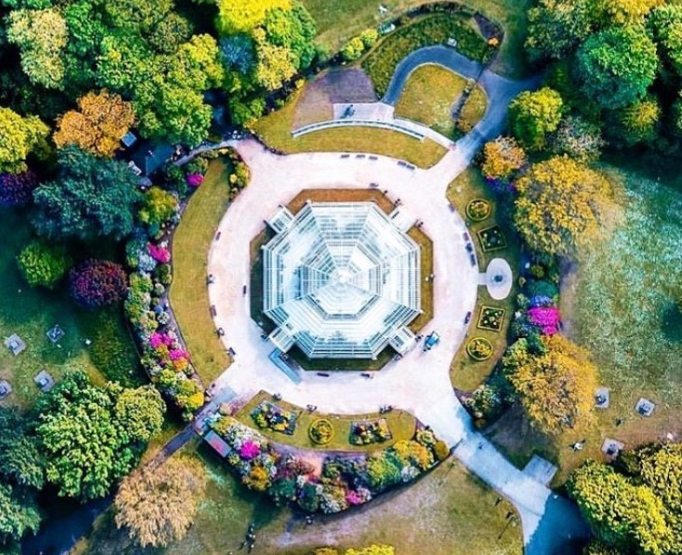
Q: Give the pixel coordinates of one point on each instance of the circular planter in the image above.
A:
(479, 348)
(321, 431)
(478, 209)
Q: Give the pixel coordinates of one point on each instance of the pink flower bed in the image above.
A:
(157, 339)
(249, 450)
(175, 354)
(195, 179)
(546, 318)
(160, 254)
(354, 498)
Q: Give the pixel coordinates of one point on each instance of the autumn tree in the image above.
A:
(558, 205)
(502, 157)
(617, 65)
(157, 504)
(534, 115)
(158, 208)
(41, 36)
(19, 137)
(555, 387)
(625, 11)
(91, 198)
(241, 16)
(638, 122)
(578, 139)
(557, 27)
(98, 125)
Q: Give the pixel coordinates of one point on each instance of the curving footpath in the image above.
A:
(419, 382)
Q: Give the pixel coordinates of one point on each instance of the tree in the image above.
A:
(19, 136)
(617, 65)
(91, 198)
(86, 446)
(42, 264)
(534, 115)
(559, 204)
(665, 24)
(502, 157)
(167, 35)
(621, 514)
(16, 189)
(241, 16)
(99, 124)
(578, 139)
(293, 29)
(19, 514)
(158, 208)
(140, 412)
(238, 53)
(41, 36)
(595, 547)
(557, 27)
(555, 388)
(276, 64)
(157, 504)
(626, 11)
(137, 17)
(638, 122)
(98, 283)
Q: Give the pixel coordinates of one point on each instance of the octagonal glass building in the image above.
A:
(341, 280)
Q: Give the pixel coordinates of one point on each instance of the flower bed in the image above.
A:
(343, 482)
(369, 431)
(321, 431)
(478, 209)
(491, 318)
(271, 416)
(492, 238)
(479, 348)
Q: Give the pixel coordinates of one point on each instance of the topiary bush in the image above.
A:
(97, 283)
(43, 265)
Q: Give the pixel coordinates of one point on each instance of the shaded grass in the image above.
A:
(465, 373)
(32, 312)
(401, 424)
(275, 130)
(188, 292)
(474, 108)
(426, 259)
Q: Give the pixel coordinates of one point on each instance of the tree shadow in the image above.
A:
(671, 323)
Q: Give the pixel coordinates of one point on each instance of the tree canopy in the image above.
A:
(19, 137)
(556, 27)
(241, 16)
(534, 115)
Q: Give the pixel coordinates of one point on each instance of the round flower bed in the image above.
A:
(478, 209)
(321, 431)
(479, 348)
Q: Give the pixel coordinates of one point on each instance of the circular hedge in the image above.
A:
(321, 431)
(478, 209)
(479, 348)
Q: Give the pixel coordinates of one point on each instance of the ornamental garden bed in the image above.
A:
(478, 209)
(367, 432)
(492, 238)
(479, 348)
(277, 419)
(490, 318)
(321, 431)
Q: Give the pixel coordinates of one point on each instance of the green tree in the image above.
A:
(558, 205)
(276, 64)
(91, 198)
(157, 504)
(293, 29)
(241, 16)
(617, 65)
(18, 138)
(137, 17)
(167, 35)
(19, 514)
(557, 27)
(41, 36)
(665, 24)
(534, 115)
(42, 264)
(638, 122)
(626, 11)
(158, 207)
(140, 412)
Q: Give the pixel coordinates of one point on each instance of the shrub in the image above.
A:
(384, 470)
(42, 264)
(16, 189)
(369, 37)
(353, 49)
(163, 273)
(112, 352)
(158, 209)
(502, 158)
(97, 283)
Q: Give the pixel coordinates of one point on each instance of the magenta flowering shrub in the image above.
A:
(249, 450)
(546, 318)
(98, 283)
(159, 253)
(16, 189)
(195, 179)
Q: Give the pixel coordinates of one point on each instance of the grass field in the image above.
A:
(465, 373)
(30, 313)
(275, 130)
(447, 512)
(188, 292)
(401, 424)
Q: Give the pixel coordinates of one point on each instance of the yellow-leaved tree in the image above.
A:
(555, 388)
(241, 16)
(559, 204)
(98, 125)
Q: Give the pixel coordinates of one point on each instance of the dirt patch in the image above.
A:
(333, 87)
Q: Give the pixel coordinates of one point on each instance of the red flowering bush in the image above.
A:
(546, 318)
(159, 253)
(195, 179)
(17, 189)
(97, 283)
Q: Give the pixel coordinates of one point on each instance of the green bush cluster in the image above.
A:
(42, 264)
(380, 64)
(111, 351)
(358, 45)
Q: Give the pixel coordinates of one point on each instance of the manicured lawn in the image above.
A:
(474, 107)
(275, 130)
(426, 286)
(30, 313)
(188, 292)
(402, 425)
(448, 512)
(465, 373)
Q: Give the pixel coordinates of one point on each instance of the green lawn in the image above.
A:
(31, 312)
(447, 512)
(275, 130)
(402, 425)
(188, 292)
(466, 374)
